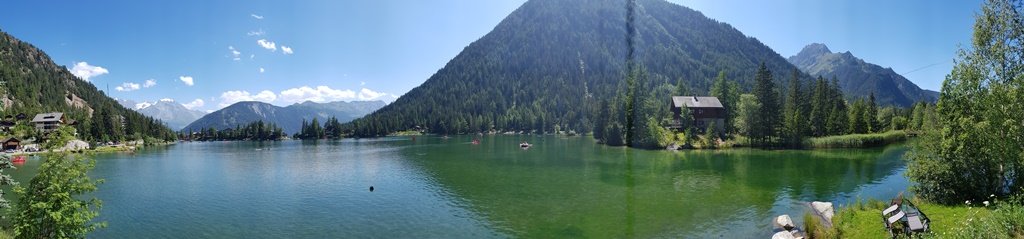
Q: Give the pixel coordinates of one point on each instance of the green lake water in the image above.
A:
(430, 187)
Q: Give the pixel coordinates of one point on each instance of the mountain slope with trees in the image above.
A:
(552, 62)
(858, 78)
(33, 84)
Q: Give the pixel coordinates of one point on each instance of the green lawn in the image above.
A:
(864, 220)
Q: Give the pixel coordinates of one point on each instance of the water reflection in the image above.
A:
(573, 187)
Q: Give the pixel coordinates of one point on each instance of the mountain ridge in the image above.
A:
(551, 61)
(289, 118)
(858, 78)
(171, 113)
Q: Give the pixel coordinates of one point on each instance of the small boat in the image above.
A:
(476, 141)
(18, 159)
(525, 145)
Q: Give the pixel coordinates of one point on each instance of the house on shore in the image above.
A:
(7, 123)
(48, 122)
(704, 109)
(10, 143)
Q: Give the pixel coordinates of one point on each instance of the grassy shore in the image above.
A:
(857, 140)
(975, 220)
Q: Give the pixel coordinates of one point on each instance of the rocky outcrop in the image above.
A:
(73, 101)
(75, 145)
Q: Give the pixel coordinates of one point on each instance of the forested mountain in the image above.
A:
(858, 78)
(32, 84)
(171, 113)
(551, 61)
(289, 118)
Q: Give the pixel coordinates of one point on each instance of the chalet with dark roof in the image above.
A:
(704, 109)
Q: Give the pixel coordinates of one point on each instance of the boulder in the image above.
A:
(783, 235)
(824, 209)
(75, 145)
(785, 222)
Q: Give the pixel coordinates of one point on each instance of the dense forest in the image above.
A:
(32, 83)
(767, 116)
(551, 63)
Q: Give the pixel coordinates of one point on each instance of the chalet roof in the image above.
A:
(696, 102)
(48, 117)
(9, 139)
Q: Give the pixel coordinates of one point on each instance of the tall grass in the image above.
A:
(857, 140)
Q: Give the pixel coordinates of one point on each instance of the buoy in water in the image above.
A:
(371, 188)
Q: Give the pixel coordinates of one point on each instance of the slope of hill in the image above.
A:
(550, 61)
(858, 78)
(32, 84)
(288, 118)
(171, 113)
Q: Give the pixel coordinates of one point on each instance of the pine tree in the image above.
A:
(767, 124)
(837, 119)
(856, 124)
(728, 93)
(794, 121)
(871, 115)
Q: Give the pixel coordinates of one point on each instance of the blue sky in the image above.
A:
(208, 54)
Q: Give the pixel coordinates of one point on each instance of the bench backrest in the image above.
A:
(890, 209)
(899, 215)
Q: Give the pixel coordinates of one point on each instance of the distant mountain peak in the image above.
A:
(810, 54)
(173, 114)
(858, 78)
(816, 49)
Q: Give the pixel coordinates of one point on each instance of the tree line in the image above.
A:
(255, 131)
(767, 116)
(331, 129)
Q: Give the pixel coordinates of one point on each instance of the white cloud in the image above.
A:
(187, 79)
(269, 45)
(142, 105)
(252, 56)
(194, 104)
(258, 17)
(149, 83)
(362, 83)
(85, 71)
(262, 70)
(367, 94)
(127, 86)
(318, 94)
(166, 100)
(230, 97)
(256, 33)
(235, 54)
(286, 50)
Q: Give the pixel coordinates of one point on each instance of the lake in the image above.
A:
(432, 187)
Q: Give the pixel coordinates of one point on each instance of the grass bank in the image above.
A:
(857, 140)
(864, 220)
